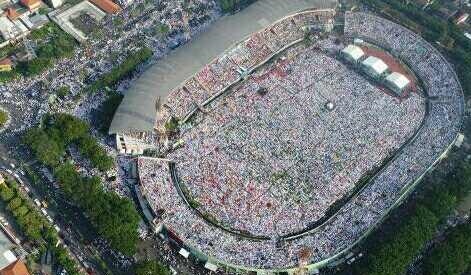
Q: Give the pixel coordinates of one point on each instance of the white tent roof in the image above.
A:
(211, 266)
(184, 252)
(398, 80)
(375, 64)
(353, 51)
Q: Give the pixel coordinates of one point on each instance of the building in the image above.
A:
(6, 255)
(63, 16)
(32, 5)
(132, 143)
(11, 29)
(34, 22)
(15, 268)
(397, 82)
(11, 13)
(55, 3)
(107, 6)
(461, 18)
(353, 53)
(5, 64)
(374, 66)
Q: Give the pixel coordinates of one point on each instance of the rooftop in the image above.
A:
(353, 51)
(107, 5)
(375, 64)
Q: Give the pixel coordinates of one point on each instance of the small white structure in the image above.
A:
(184, 253)
(353, 53)
(129, 145)
(459, 140)
(397, 82)
(55, 3)
(210, 266)
(374, 66)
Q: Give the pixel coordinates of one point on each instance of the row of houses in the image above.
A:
(376, 68)
(17, 19)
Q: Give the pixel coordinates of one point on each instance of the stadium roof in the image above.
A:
(398, 80)
(137, 111)
(375, 64)
(353, 52)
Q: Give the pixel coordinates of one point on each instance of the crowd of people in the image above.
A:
(243, 155)
(270, 157)
(230, 66)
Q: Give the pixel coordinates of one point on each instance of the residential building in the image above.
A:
(5, 65)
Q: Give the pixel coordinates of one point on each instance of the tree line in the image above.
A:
(125, 69)
(34, 226)
(59, 131)
(113, 217)
(451, 256)
(390, 250)
(229, 6)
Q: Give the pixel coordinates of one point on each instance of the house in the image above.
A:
(11, 13)
(107, 6)
(32, 5)
(5, 65)
(15, 268)
(12, 29)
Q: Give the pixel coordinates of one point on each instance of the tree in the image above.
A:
(20, 211)
(14, 203)
(396, 252)
(3, 118)
(150, 267)
(453, 255)
(6, 193)
(47, 150)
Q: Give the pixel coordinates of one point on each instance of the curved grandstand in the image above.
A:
(288, 154)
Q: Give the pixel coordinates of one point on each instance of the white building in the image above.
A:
(126, 144)
(397, 82)
(11, 29)
(55, 3)
(374, 66)
(353, 53)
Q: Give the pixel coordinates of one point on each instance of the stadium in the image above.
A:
(292, 145)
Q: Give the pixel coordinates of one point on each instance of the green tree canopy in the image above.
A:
(151, 267)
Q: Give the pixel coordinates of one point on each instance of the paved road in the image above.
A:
(137, 111)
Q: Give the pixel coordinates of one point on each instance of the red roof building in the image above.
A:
(11, 13)
(5, 64)
(31, 4)
(16, 268)
(107, 5)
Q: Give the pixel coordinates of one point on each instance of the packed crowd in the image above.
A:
(253, 133)
(243, 156)
(230, 66)
(27, 98)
